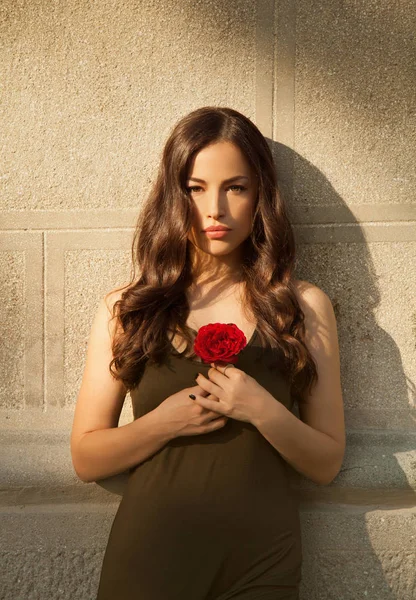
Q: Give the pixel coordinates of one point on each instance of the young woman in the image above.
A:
(208, 512)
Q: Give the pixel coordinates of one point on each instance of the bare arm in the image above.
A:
(311, 452)
(100, 454)
(100, 448)
(314, 444)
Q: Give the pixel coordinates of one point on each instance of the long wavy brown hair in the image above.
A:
(155, 301)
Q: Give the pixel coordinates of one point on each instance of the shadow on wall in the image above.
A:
(371, 372)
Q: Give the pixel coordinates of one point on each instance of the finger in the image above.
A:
(199, 390)
(206, 411)
(215, 399)
(208, 385)
(217, 377)
(211, 416)
(220, 368)
(215, 424)
(214, 405)
(211, 397)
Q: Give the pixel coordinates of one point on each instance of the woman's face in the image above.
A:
(218, 201)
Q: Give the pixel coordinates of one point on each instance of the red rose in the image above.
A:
(219, 342)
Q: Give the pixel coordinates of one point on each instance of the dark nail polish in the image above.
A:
(192, 396)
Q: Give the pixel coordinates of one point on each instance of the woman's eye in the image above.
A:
(195, 188)
(240, 188)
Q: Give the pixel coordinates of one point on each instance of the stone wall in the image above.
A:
(90, 92)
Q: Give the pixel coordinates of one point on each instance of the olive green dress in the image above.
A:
(209, 516)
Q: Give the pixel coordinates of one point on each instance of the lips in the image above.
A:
(217, 228)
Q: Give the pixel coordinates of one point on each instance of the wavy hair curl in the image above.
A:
(154, 301)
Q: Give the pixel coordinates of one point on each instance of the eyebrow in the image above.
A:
(225, 180)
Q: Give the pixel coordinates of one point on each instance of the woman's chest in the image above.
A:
(230, 312)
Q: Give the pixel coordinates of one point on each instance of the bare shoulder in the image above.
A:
(310, 294)
(115, 294)
(316, 306)
(322, 409)
(311, 297)
(110, 299)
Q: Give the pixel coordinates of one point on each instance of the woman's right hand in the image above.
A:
(184, 417)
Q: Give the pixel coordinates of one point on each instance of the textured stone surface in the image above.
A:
(373, 461)
(355, 101)
(88, 274)
(37, 574)
(12, 311)
(356, 554)
(56, 552)
(371, 287)
(349, 575)
(92, 90)
(81, 268)
(21, 315)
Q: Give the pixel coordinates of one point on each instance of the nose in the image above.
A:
(216, 201)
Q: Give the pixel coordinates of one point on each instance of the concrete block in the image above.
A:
(352, 553)
(54, 551)
(88, 104)
(354, 102)
(81, 268)
(375, 464)
(371, 287)
(21, 306)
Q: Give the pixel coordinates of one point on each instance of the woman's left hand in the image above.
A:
(239, 395)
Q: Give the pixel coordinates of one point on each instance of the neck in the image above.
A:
(210, 270)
